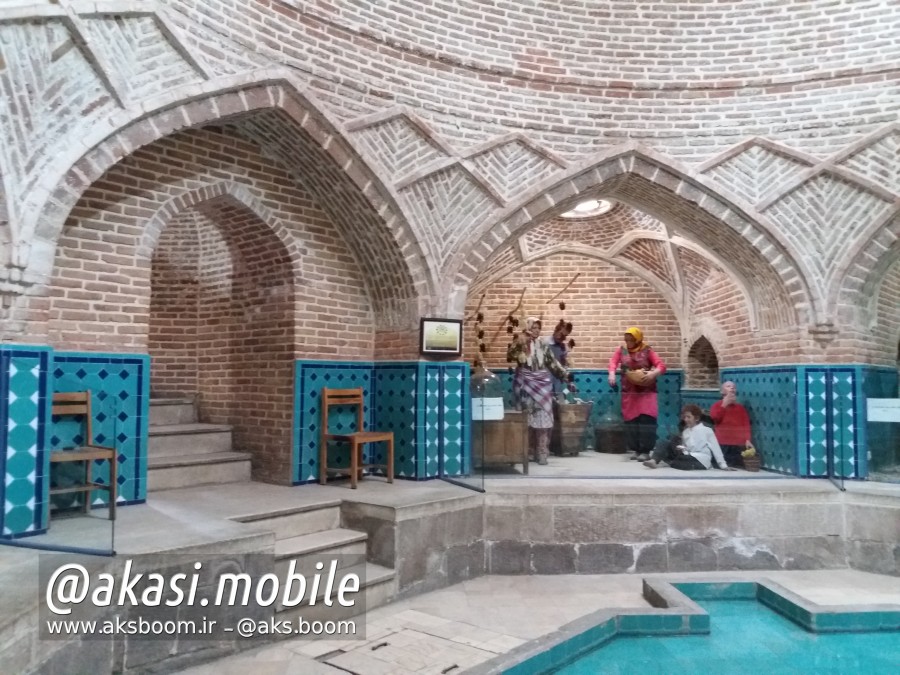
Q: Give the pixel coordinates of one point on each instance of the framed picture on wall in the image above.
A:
(440, 336)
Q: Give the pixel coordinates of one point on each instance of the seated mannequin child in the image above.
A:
(694, 451)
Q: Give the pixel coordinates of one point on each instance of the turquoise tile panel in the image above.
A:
(24, 409)
(310, 378)
(455, 420)
(844, 442)
(120, 403)
(395, 410)
(429, 452)
(778, 423)
(818, 412)
(670, 403)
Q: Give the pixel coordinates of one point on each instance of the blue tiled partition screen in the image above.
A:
(120, 403)
(807, 420)
(425, 404)
(119, 385)
(24, 415)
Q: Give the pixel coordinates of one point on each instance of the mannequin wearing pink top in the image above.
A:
(639, 404)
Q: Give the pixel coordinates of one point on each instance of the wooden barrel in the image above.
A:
(569, 422)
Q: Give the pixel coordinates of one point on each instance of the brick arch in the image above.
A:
(685, 202)
(234, 191)
(857, 293)
(386, 247)
(881, 335)
(702, 364)
(665, 291)
(221, 324)
(711, 330)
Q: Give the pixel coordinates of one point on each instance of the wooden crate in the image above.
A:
(504, 441)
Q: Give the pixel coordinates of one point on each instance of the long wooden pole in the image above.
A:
(475, 313)
(565, 288)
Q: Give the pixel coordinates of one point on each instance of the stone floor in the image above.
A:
(464, 625)
(461, 626)
(590, 464)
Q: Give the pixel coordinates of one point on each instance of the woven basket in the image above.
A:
(753, 463)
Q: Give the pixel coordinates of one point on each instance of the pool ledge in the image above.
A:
(675, 612)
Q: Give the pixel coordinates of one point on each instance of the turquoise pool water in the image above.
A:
(746, 637)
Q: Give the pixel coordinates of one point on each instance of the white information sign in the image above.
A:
(487, 409)
(884, 409)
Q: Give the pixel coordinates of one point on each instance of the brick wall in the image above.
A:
(100, 293)
(601, 304)
(227, 301)
(746, 128)
(246, 335)
(476, 70)
(175, 300)
(886, 332)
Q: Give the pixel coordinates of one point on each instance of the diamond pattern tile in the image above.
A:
(395, 410)
(454, 419)
(24, 411)
(426, 405)
(771, 398)
(120, 400)
(844, 427)
(310, 377)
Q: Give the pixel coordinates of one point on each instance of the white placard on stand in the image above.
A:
(884, 409)
(484, 409)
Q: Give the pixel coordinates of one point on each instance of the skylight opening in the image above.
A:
(589, 209)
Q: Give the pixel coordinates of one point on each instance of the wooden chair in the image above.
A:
(356, 439)
(79, 403)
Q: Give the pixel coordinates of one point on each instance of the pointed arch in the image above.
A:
(674, 195)
(239, 193)
(702, 365)
(400, 274)
(860, 287)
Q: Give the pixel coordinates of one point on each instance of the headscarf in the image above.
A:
(534, 355)
(638, 336)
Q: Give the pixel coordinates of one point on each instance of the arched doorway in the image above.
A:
(221, 336)
(702, 368)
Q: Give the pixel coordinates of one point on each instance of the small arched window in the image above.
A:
(702, 366)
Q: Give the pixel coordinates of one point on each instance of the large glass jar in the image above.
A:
(609, 432)
(487, 395)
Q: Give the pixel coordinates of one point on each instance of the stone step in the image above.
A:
(213, 468)
(348, 547)
(167, 411)
(297, 521)
(167, 440)
(377, 584)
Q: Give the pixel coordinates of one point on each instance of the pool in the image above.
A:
(745, 637)
(719, 627)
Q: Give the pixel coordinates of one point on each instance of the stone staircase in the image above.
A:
(311, 534)
(183, 452)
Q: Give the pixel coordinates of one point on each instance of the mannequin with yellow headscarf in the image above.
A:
(639, 366)
(533, 384)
